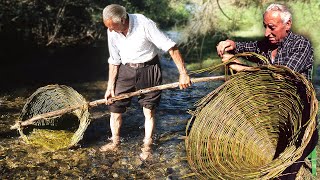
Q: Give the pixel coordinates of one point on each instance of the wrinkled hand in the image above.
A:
(109, 93)
(224, 46)
(226, 57)
(184, 81)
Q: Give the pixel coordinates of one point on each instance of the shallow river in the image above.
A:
(22, 161)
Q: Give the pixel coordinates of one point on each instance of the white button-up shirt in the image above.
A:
(141, 44)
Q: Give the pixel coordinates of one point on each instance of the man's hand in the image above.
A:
(225, 46)
(238, 66)
(184, 81)
(226, 57)
(109, 93)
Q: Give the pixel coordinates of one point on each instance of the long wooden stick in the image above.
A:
(116, 98)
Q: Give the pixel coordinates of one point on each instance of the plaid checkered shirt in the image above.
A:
(294, 51)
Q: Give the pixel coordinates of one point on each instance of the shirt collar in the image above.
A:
(130, 17)
(285, 39)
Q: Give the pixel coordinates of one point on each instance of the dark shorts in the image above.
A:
(131, 79)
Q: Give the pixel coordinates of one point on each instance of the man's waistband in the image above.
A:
(153, 61)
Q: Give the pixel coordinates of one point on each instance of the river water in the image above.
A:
(22, 161)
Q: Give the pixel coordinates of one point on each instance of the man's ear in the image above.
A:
(288, 25)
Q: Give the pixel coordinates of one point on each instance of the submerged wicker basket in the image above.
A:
(253, 126)
(54, 97)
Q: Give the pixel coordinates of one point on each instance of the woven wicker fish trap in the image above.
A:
(57, 132)
(253, 126)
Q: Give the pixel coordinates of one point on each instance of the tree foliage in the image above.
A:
(46, 22)
(66, 22)
(165, 12)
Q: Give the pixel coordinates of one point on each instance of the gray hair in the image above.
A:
(115, 12)
(284, 12)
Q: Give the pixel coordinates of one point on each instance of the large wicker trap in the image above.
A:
(63, 131)
(253, 126)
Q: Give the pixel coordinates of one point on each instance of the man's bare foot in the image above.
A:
(146, 153)
(112, 146)
(109, 147)
(145, 156)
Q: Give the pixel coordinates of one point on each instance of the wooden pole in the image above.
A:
(112, 99)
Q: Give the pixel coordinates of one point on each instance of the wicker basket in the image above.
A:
(253, 126)
(54, 97)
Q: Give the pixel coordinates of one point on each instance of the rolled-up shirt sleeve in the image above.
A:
(114, 56)
(246, 47)
(157, 37)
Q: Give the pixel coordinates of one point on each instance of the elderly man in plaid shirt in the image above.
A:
(281, 47)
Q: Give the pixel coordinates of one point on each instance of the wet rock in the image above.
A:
(115, 175)
(124, 161)
(169, 170)
(104, 167)
(169, 177)
(136, 161)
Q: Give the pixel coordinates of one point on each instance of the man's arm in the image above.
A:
(228, 45)
(113, 72)
(184, 79)
(237, 66)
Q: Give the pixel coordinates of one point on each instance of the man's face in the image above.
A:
(117, 27)
(275, 29)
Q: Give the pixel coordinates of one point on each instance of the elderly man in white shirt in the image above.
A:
(133, 42)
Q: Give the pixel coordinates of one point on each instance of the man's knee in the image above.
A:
(148, 113)
(115, 116)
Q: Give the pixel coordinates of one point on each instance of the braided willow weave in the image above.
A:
(51, 98)
(253, 126)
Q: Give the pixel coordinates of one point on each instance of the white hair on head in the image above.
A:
(115, 12)
(284, 11)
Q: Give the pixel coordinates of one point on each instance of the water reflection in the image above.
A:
(19, 160)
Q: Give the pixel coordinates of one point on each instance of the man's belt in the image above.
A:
(154, 61)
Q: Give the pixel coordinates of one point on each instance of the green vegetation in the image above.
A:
(166, 13)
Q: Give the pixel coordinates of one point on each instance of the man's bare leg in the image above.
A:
(115, 124)
(148, 128)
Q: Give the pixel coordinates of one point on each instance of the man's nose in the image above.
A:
(267, 32)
